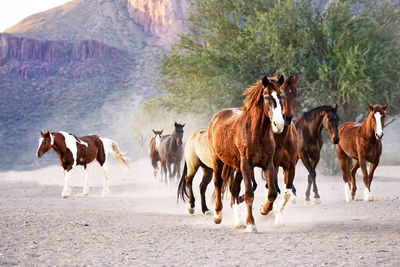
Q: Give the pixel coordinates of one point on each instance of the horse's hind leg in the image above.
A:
(207, 177)
(353, 172)
(314, 163)
(86, 185)
(218, 166)
(311, 174)
(236, 199)
(106, 189)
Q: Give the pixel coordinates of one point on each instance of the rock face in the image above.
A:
(32, 58)
(162, 19)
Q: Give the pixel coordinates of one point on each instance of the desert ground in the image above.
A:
(140, 223)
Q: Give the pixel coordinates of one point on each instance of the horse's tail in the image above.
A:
(110, 146)
(182, 193)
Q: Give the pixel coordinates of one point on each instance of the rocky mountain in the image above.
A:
(82, 67)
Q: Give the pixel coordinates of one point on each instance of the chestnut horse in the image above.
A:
(243, 139)
(73, 150)
(153, 150)
(362, 142)
(309, 132)
(285, 155)
(171, 153)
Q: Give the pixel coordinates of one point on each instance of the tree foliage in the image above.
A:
(346, 52)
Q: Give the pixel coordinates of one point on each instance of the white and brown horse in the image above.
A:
(73, 150)
(154, 146)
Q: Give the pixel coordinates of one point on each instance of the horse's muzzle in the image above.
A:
(336, 140)
(379, 137)
(287, 119)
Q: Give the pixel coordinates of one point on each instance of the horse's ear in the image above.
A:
(295, 79)
(161, 131)
(336, 106)
(281, 79)
(371, 108)
(384, 107)
(176, 125)
(183, 125)
(265, 81)
(42, 133)
(154, 131)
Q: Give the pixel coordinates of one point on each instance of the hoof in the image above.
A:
(317, 201)
(240, 226)
(251, 228)
(369, 199)
(217, 219)
(64, 196)
(191, 210)
(263, 211)
(208, 212)
(294, 200)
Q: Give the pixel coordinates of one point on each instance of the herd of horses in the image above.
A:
(264, 134)
(261, 134)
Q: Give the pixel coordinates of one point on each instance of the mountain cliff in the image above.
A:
(83, 67)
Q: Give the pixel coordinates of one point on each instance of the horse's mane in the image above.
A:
(254, 93)
(310, 115)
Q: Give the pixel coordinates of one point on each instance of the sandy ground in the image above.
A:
(141, 224)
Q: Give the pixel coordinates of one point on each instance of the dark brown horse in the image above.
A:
(285, 155)
(362, 142)
(171, 153)
(73, 150)
(243, 139)
(309, 131)
(153, 150)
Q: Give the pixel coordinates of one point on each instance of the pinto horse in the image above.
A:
(243, 139)
(154, 146)
(309, 131)
(362, 142)
(73, 150)
(171, 152)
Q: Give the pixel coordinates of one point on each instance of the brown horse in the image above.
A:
(153, 150)
(243, 139)
(362, 142)
(309, 131)
(197, 154)
(73, 150)
(285, 155)
(171, 153)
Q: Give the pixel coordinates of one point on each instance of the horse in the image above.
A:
(197, 154)
(285, 155)
(309, 132)
(243, 139)
(153, 150)
(171, 152)
(362, 142)
(73, 150)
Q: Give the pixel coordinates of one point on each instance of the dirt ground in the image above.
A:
(141, 224)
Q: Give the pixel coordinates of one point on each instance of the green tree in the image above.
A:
(346, 53)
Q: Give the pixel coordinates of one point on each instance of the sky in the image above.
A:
(13, 11)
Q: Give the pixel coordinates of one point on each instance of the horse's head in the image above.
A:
(331, 123)
(289, 87)
(45, 142)
(379, 114)
(273, 96)
(178, 133)
(157, 136)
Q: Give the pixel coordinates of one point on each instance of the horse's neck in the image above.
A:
(173, 144)
(60, 150)
(366, 129)
(317, 125)
(260, 123)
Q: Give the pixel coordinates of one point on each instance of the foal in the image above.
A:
(154, 146)
(73, 150)
(362, 142)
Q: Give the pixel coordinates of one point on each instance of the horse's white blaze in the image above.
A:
(277, 117)
(40, 143)
(158, 141)
(71, 144)
(379, 130)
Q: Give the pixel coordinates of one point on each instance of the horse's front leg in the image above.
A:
(353, 172)
(247, 173)
(372, 168)
(86, 185)
(272, 190)
(106, 189)
(67, 187)
(218, 165)
(311, 174)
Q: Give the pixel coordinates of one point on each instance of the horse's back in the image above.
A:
(197, 147)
